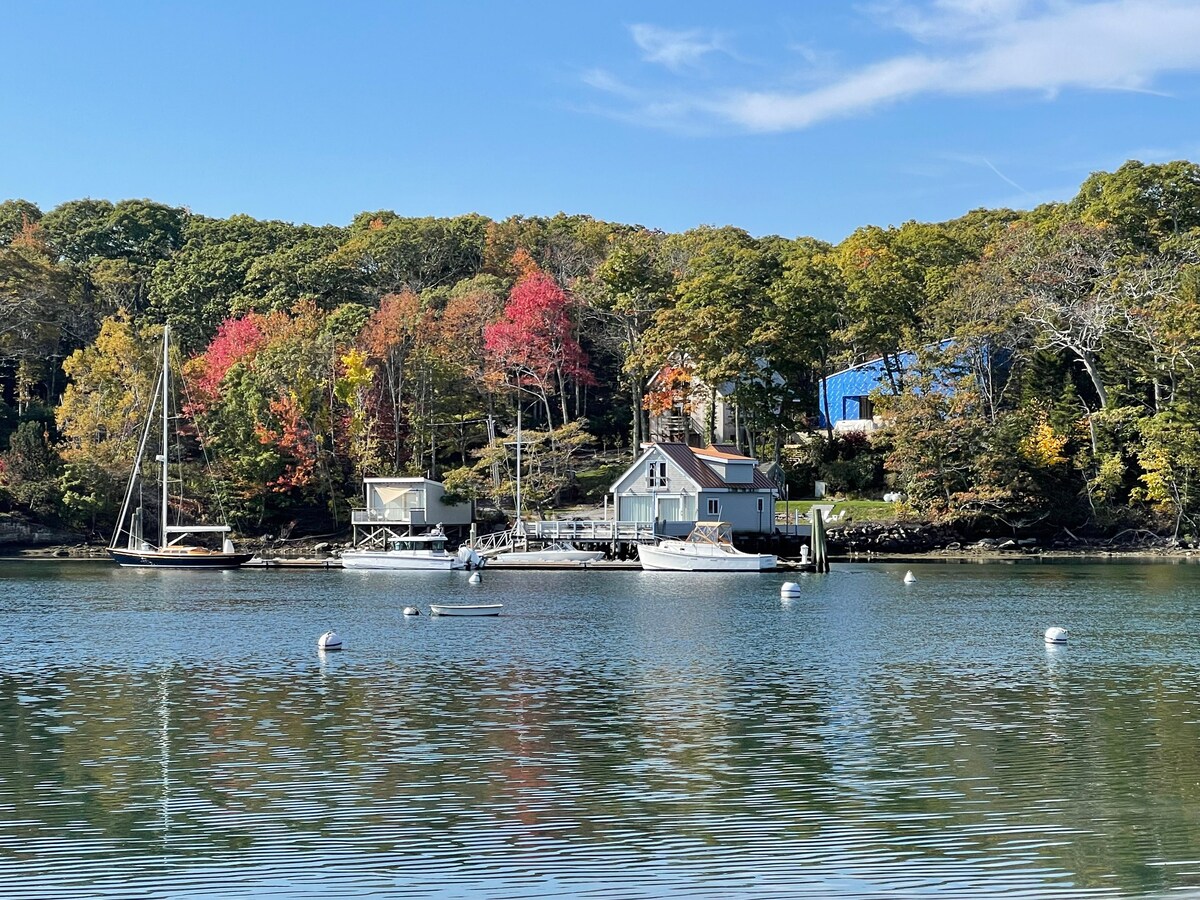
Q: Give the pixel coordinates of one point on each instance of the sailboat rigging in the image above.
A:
(515, 548)
(169, 552)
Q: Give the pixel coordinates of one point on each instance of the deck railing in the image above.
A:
(589, 530)
(413, 516)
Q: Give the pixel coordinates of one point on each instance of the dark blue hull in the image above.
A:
(190, 559)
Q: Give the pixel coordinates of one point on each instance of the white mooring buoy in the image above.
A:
(475, 578)
(790, 589)
(411, 611)
(909, 577)
(330, 640)
(1056, 635)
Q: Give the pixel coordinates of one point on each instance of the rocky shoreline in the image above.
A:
(923, 539)
(854, 541)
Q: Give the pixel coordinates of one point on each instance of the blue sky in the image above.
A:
(781, 118)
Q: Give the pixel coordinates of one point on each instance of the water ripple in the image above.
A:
(611, 735)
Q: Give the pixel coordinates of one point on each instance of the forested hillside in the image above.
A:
(314, 356)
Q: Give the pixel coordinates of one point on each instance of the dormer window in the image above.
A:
(656, 474)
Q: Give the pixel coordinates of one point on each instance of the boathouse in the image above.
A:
(401, 506)
(674, 486)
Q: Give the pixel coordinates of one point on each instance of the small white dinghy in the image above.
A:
(466, 609)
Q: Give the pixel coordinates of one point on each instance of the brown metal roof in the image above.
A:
(685, 457)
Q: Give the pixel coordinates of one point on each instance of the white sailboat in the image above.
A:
(129, 547)
(517, 551)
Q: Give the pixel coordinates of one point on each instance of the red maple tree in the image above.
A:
(236, 340)
(533, 342)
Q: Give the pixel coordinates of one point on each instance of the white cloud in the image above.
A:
(676, 50)
(974, 47)
(949, 19)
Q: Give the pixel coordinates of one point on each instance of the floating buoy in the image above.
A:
(330, 640)
(411, 611)
(789, 589)
(1056, 635)
(475, 578)
(909, 577)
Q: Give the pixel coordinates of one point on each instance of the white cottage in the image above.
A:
(400, 506)
(674, 486)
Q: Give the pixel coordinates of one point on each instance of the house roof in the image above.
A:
(688, 459)
(723, 451)
(398, 479)
(907, 355)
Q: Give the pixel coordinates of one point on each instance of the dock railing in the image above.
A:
(587, 531)
(590, 530)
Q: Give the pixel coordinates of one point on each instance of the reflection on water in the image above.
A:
(612, 734)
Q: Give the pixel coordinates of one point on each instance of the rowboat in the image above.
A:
(473, 609)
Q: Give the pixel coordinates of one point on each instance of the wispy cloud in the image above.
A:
(948, 19)
(969, 47)
(677, 50)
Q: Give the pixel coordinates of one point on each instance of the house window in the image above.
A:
(656, 475)
(714, 507)
(857, 408)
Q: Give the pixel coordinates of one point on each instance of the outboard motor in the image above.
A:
(469, 558)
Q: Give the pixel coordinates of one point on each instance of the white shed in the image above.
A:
(399, 506)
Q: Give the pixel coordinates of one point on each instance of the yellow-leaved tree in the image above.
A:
(101, 416)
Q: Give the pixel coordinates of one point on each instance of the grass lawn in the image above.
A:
(594, 483)
(855, 510)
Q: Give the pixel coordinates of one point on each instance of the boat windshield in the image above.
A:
(437, 545)
(711, 533)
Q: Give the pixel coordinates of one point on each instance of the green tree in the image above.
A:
(1144, 205)
(15, 217)
(721, 291)
(33, 308)
(798, 333)
(30, 470)
(893, 278)
(627, 289)
(102, 414)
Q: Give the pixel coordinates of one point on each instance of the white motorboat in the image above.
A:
(417, 551)
(708, 548)
(556, 552)
(464, 609)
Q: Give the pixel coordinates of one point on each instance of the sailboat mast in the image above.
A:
(166, 394)
(518, 460)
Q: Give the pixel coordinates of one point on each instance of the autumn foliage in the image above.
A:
(534, 342)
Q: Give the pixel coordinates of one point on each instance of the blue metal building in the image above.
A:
(847, 394)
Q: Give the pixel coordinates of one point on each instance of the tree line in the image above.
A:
(1055, 385)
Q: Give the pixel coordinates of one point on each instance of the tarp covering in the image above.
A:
(389, 496)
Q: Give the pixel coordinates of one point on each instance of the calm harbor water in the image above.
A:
(613, 734)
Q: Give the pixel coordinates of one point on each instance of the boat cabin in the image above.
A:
(434, 541)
